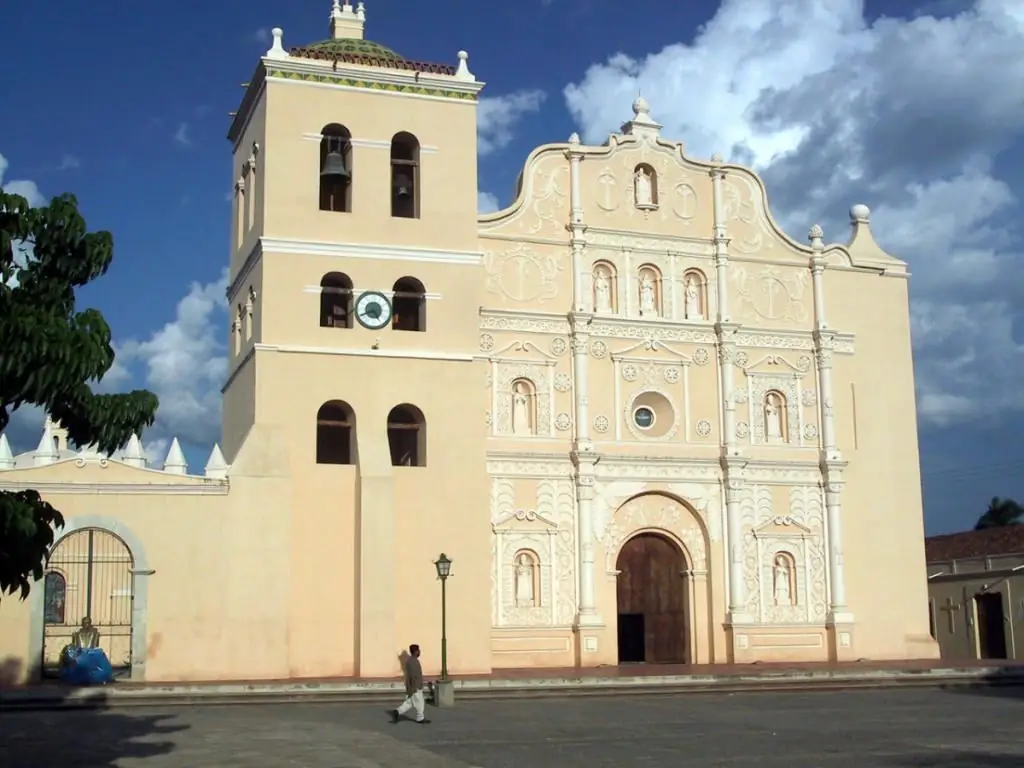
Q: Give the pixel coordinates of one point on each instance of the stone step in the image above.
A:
(171, 695)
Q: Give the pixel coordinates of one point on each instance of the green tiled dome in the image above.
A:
(353, 47)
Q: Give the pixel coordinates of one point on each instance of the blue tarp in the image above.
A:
(86, 666)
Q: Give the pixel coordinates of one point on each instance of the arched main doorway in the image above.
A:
(89, 574)
(652, 601)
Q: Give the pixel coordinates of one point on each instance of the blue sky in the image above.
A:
(918, 114)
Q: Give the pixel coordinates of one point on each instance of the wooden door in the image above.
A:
(991, 625)
(652, 584)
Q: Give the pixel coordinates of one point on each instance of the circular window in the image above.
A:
(643, 417)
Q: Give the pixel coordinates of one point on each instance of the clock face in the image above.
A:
(373, 310)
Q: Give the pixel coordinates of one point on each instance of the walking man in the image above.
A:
(413, 688)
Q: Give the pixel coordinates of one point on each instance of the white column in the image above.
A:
(732, 465)
(838, 610)
(832, 462)
(582, 296)
(583, 455)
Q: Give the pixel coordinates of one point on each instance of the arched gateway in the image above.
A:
(659, 547)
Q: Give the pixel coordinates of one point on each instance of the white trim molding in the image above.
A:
(371, 143)
(347, 250)
(405, 354)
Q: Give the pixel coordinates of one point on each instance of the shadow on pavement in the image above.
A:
(93, 735)
(959, 759)
(1001, 682)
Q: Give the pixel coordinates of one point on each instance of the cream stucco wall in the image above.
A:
(531, 376)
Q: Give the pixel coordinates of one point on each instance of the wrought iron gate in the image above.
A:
(89, 575)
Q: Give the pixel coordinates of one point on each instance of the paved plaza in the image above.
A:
(858, 729)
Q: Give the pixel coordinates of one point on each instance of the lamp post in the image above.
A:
(443, 564)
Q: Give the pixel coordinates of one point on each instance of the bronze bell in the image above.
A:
(334, 165)
(403, 187)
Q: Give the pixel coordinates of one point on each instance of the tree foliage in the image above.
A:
(1000, 513)
(50, 354)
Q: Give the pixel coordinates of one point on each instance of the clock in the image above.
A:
(373, 310)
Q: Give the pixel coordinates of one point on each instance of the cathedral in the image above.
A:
(643, 423)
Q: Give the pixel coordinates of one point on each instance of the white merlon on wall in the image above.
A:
(6, 457)
(175, 462)
(132, 454)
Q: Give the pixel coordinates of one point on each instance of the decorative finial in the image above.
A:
(216, 467)
(574, 139)
(277, 50)
(175, 462)
(815, 233)
(717, 158)
(860, 214)
(462, 71)
(641, 109)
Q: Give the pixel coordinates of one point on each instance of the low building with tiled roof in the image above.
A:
(976, 593)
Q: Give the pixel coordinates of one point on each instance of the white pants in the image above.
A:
(415, 702)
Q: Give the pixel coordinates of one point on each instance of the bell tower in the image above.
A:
(355, 287)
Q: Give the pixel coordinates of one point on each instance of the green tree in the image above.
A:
(1000, 512)
(49, 356)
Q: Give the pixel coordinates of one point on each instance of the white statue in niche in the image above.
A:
(648, 301)
(643, 187)
(525, 595)
(782, 576)
(522, 424)
(602, 290)
(773, 408)
(692, 305)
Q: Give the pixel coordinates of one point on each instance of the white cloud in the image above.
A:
(497, 117)
(908, 116)
(181, 136)
(184, 364)
(68, 163)
(486, 202)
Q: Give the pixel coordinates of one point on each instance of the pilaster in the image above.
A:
(840, 620)
(583, 455)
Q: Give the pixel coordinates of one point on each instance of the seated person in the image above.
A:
(82, 661)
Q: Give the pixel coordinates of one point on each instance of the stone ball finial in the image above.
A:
(717, 158)
(574, 139)
(463, 56)
(640, 106)
(860, 212)
(815, 233)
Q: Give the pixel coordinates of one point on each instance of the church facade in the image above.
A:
(644, 424)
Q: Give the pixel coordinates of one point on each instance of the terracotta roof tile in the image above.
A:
(1007, 540)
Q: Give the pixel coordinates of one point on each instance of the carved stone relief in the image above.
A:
(509, 389)
(546, 535)
(523, 273)
(743, 204)
(784, 555)
(610, 495)
(654, 511)
(774, 419)
(772, 293)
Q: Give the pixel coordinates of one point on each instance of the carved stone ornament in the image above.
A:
(599, 349)
(742, 430)
(810, 432)
(809, 398)
(703, 427)
(559, 346)
(563, 421)
(601, 424)
(672, 374)
(563, 382)
(742, 360)
(701, 356)
(630, 372)
(486, 342)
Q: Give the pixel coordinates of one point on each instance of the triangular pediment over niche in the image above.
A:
(781, 526)
(523, 520)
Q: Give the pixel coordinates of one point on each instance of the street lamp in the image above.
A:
(444, 570)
